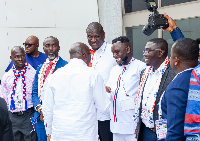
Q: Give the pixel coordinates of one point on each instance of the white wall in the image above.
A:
(65, 19)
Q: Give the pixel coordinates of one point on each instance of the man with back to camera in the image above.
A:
(72, 95)
(184, 57)
(33, 56)
(123, 84)
(102, 62)
(16, 89)
(53, 62)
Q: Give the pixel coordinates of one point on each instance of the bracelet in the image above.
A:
(174, 29)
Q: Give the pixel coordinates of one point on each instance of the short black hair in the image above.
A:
(161, 44)
(95, 25)
(198, 41)
(122, 39)
(53, 38)
(187, 49)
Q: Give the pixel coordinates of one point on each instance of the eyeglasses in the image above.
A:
(29, 45)
(147, 51)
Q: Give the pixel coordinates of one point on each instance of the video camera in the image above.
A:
(156, 20)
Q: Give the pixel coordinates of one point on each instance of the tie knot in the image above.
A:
(50, 63)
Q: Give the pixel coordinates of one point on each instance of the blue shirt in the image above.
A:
(173, 106)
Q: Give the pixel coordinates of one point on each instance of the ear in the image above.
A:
(161, 52)
(128, 49)
(176, 61)
(10, 57)
(104, 35)
(58, 48)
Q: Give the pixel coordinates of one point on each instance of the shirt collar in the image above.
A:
(160, 67)
(77, 61)
(101, 48)
(51, 61)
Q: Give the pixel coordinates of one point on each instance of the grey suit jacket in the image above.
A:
(166, 79)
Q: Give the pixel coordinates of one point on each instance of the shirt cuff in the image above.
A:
(36, 107)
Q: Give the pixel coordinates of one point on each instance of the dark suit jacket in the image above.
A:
(166, 79)
(35, 98)
(6, 131)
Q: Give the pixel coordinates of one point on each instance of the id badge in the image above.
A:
(18, 104)
(127, 104)
(161, 129)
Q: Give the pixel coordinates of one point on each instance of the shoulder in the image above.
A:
(62, 61)
(7, 74)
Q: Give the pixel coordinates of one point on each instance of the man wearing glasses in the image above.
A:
(33, 56)
(154, 80)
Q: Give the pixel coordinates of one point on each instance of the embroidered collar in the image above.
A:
(42, 74)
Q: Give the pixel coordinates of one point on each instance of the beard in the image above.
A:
(51, 56)
(124, 61)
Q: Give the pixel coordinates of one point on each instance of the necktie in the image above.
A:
(48, 70)
(92, 54)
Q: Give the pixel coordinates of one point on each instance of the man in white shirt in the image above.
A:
(123, 84)
(102, 62)
(71, 97)
(154, 80)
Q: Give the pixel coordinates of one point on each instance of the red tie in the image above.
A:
(48, 70)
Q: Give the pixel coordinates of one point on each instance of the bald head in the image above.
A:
(33, 39)
(81, 51)
(31, 46)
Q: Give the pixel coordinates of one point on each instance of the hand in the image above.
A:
(135, 132)
(41, 116)
(48, 138)
(108, 89)
(171, 22)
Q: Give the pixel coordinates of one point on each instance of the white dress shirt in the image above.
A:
(102, 63)
(129, 84)
(151, 80)
(72, 95)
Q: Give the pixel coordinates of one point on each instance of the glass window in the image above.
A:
(189, 28)
(172, 2)
(138, 40)
(135, 5)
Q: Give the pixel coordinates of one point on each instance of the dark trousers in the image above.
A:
(22, 126)
(104, 131)
(148, 135)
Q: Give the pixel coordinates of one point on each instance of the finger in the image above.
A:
(166, 16)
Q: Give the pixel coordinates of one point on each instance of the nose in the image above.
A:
(51, 47)
(144, 54)
(93, 39)
(114, 55)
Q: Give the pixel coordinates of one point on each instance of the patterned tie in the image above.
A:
(92, 54)
(48, 70)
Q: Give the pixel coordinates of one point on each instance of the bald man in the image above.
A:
(71, 97)
(33, 56)
(18, 97)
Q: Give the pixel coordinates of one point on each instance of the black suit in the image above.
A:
(166, 79)
(6, 132)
